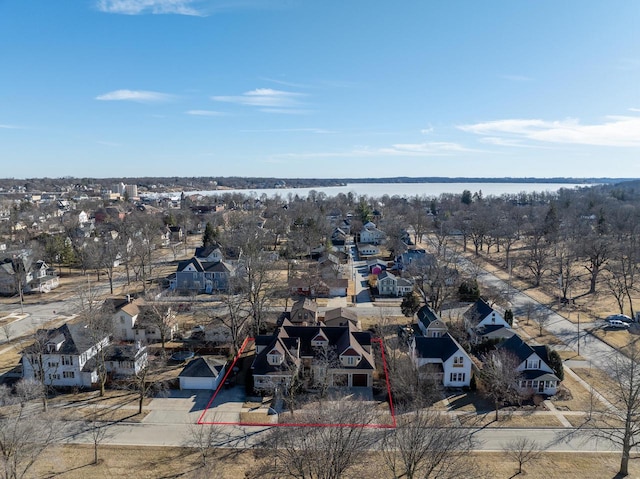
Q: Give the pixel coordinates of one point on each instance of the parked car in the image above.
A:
(616, 323)
(620, 317)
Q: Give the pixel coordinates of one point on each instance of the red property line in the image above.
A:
(373, 426)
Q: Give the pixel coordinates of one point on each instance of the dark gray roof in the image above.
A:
(518, 347)
(203, 367)
(426, 315)
(443, 347)
(478, 311)
(495, 331)
(76, 338)
(539, 375)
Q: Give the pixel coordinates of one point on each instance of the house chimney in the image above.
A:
(128, 298)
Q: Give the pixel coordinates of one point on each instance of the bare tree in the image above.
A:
(499, 378)
(426, 445)
(96, 429)
(160, 316)
(542, 318)
(619, 421)
(325, 452)
(522, 450)
(235, 320)
(24, 435)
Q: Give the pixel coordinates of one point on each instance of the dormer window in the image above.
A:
(275, 357)
(350, 358)
(319, 341)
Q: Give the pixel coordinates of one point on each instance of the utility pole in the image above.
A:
(578, 334)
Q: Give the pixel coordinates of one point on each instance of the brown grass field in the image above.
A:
(75, 462)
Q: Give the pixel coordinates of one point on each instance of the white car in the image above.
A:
(616, 323)
(620, 317)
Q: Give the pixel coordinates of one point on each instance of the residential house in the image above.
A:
(209, 254)
(20, 272)
(133, 320)
(202, 277)
(376, 266)
(175, 234)
(63, 356)
(417, 257)
(125, 360)
(318, 355)
(442, 358)
(44, 278)
(484, 322)
(304, 312)
(537, 376)
(203, 373)
(430, 324)
(341, 317)
(314, 287)
(339, 238)
(391, 285)
(366, 250)
(371, 234)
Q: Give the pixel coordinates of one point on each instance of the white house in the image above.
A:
(371, 234)
(63, 356)
(443, 354)
(484, 322)
(203, 373)
(131, 321)
(365, 250)
(480, 314)
(537, 376)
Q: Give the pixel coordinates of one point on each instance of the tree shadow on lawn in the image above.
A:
(470, 401)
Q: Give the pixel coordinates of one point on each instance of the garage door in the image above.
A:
(360, 380)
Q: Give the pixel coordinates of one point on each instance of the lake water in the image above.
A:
(404, 189)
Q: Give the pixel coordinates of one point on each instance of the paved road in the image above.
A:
(595, 350)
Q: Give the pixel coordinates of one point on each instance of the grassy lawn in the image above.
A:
(618, 339)
(598, 379)
(573, 396)
(532, 331)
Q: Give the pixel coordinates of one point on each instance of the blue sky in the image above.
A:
(302, 88)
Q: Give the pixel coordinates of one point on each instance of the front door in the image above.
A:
(541, 387)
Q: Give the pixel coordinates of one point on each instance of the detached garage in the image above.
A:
(202, 373)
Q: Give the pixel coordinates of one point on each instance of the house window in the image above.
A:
(533, 364)
(68, 374)
(457, 377)
(275, 359)
(458, 361)
(52, 364)
(121, 319)
(54, 376)
(67, 360)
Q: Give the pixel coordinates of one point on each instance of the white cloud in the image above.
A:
(426, 131)
(264, 97)
(141, 96)
(621, 131)
(138, 7)
(204, 113)
(434, 148)
(9, 127)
